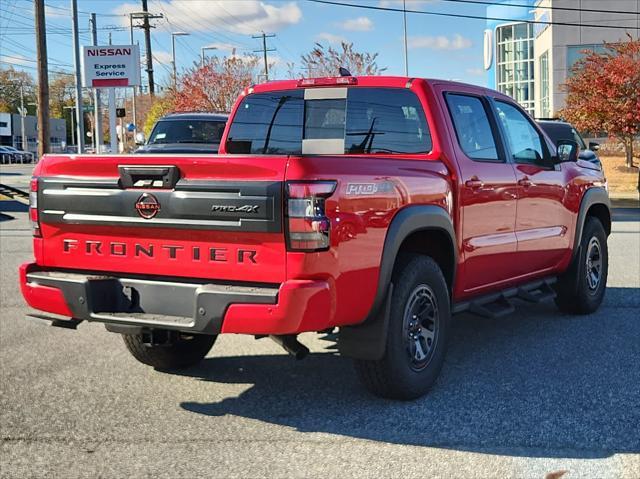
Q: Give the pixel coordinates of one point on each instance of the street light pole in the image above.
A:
(23, 113)
(406, 53)
(202, 50)
(173, 56)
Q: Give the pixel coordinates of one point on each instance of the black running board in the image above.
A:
(497, 305)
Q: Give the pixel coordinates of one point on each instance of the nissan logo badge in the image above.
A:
(147, 206)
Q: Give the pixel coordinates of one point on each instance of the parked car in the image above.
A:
(25, 156)
(7, 156)
(454, 200)
(17, 156)
(185, 133)
(561, 130)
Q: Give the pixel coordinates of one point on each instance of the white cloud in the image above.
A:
(16, 59)
(330, 38)
(56, 12)
(239, 16)
(411, 4)
(221, 47)
(360, 24)
(457, 42)
(163, 58)
(476, 72)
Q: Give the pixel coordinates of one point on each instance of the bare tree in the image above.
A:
(325, 61)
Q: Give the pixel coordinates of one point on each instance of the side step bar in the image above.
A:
(497, 305)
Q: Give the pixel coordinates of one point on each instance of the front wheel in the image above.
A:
(417, 336)
(581, 289)
(178, 351)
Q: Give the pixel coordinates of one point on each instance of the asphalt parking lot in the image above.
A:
(523, 396)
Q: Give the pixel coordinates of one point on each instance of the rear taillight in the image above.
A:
(33, 207)
(308, 227)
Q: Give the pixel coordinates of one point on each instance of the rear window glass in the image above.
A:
(371, 120)
(187, 131)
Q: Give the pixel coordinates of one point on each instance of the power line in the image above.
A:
(28, 67)
(520, 5)
(473, 17)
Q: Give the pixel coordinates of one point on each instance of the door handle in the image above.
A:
(474, 183)
(525, 182)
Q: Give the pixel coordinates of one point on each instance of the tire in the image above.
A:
(581, 289)
(181, 352)
(419, 286)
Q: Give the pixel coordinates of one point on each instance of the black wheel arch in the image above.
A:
(595, 202)
(368, 339)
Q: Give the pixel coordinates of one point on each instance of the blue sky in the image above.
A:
(439, 47)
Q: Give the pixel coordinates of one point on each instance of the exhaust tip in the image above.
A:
(290, 344)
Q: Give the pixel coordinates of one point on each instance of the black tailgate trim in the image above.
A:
(249, 206)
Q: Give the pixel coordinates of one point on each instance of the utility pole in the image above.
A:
(23, 113)
(406, 53)
(43, 79)
(76, 61)
(264, 51)
(96, 92)
(147, 44)
(133, 97)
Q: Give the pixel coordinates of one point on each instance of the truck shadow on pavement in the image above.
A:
(537, 383)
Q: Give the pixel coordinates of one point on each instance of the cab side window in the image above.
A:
(472, 126)
(525, 142)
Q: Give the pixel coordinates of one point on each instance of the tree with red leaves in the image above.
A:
(214, 86)
(604, 93)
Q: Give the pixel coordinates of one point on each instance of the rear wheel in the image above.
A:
(417, 335)
(168, 349)
(581, 289)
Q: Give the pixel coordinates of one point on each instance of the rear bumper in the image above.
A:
(208, 308)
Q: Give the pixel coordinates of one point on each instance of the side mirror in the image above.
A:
(593, 146)
(567, 150)
(140, 138)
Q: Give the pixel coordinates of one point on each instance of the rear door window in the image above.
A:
(473, 129)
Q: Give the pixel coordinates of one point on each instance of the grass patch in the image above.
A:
(621, 179)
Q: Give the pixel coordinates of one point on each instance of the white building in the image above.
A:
(531, 62)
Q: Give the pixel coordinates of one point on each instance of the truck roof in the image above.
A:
(369, 81)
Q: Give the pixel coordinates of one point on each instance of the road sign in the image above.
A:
(110, 66)
(120, 113)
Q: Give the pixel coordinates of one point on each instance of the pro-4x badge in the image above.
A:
(235, 209)
(147, 206)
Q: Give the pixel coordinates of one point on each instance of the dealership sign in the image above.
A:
(110, 66)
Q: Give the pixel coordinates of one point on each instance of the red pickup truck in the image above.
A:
(377, 205)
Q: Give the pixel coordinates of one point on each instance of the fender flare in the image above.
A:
(593, 196)
(368, 339)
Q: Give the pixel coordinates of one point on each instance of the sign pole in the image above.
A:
(96, 108)
(76, 58)
(112, 121)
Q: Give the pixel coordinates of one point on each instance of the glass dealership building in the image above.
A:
(530, 62)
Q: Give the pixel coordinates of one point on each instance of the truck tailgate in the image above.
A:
(208, 217)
